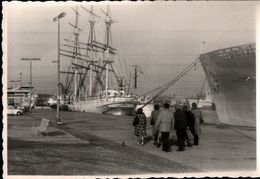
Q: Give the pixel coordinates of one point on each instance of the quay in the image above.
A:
(96, 144)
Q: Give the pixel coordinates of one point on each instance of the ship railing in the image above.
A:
(236, 51)
(110, 98)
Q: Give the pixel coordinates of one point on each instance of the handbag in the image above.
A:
(190, 135)
(136, 121)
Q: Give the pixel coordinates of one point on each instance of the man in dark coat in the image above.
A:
(180, 125)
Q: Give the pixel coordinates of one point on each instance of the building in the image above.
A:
(20, 97)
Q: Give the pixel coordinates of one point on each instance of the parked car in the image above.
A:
(11, 110)
(63, 107)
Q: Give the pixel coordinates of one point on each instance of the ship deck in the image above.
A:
(91, 144)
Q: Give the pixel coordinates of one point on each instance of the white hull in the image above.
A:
(97, 105)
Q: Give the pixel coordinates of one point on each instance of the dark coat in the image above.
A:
(180, 120)
(190, 119)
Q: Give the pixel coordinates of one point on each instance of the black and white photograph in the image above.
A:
(130, 89)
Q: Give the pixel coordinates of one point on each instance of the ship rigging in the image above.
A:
(91, 62)
(92, 82)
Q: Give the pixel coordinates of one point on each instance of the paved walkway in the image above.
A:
(220, 149)
(22, 129)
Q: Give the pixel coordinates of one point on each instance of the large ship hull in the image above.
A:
(231, 77)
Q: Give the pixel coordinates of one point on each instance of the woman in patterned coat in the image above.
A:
(140, 128)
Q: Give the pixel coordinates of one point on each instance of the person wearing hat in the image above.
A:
(198, 118)
(154, 116)
(140, 126)
(165, 123)
(180, 125)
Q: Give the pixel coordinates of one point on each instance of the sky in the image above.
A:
(161, 37)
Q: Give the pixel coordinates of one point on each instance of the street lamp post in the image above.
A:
(58, 119)
(30, 59)
(21, 83)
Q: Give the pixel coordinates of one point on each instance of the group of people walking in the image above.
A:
(184, 122)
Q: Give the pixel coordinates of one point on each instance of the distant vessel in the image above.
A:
(231, 75)
(206, 102)
(93, 82)
(148, 108)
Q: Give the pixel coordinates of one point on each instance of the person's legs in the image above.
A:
(156, 133)
(181, 139)
(178, 137)
(183, 135)
(159, 139)
(165, 137)
(142, 140)
(153, 131)
(138, 139)
(194, 135)
(196, 140)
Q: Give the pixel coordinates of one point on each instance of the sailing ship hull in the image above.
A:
(116, 106)
(231, 74)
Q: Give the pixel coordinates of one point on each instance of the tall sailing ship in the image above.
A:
(231, 75)
(92, 82)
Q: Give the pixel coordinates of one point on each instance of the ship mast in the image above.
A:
(91, 44)
(136, 70)
(73, 72)
(84, 65)
(76, 51)
(108, 22)
(135, 77)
